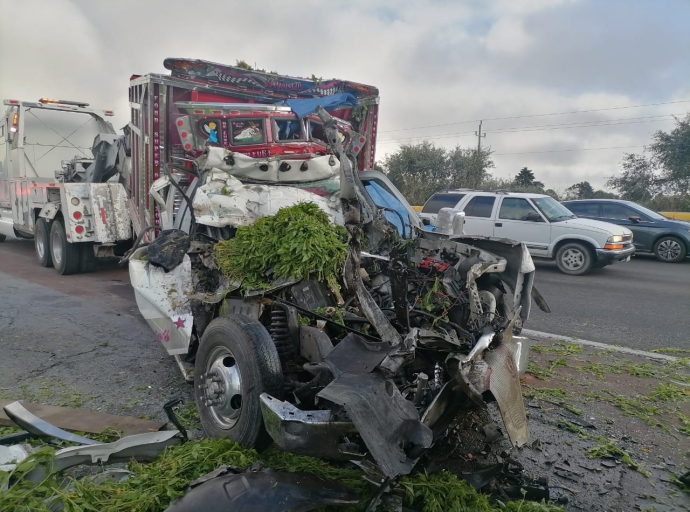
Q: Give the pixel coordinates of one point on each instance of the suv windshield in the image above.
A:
(552, 209)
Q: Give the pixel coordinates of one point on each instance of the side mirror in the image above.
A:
(450, 222)
(534, 217)
(634, 218)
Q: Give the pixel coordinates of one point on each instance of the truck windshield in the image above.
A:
(552, 209)
(394, 210)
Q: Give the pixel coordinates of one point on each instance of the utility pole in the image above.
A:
(478, 156)
(479, 135)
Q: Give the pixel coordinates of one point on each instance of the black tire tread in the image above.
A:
(261, 349)
(583, 247)
(42, 229)
(71, 253)
(683, 249)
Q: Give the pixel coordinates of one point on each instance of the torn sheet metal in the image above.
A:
(504, 384)
(223, 200)
(163, 300)
(277, 169)
(140, 447)
(313, 433)
(264, 491)
(388, 423)
(12, 455)
(41, 428)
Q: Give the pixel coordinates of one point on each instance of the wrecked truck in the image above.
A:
(416, 328)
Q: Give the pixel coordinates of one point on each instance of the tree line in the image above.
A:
(658, 178)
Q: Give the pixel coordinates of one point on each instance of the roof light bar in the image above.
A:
(64, 102)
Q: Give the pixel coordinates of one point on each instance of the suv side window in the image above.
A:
(441, 200)
(584, 209)
(618, 211)
(515, 208)
(480, 206)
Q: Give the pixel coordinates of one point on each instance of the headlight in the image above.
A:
(615, 239)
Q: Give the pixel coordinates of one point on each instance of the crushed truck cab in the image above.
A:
(414, 327)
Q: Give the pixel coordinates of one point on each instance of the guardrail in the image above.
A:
(677, 215)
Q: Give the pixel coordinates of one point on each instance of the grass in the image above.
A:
(611, 450)
(667, 392)
(153, 486)
(553, 396)
(561, 349)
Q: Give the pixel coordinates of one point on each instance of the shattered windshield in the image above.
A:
(394, 209)
(552, 209)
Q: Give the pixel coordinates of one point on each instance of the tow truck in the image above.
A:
(59, 182)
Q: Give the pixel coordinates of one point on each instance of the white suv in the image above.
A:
(547, 228)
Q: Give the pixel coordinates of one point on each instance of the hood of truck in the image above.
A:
(592, 226)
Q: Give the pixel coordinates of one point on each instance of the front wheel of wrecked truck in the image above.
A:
(236, 362)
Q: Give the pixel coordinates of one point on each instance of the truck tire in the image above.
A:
(42, 242)
(66, 256)
(574, 259)
(236, 355)
(88, 261)
(2, 238)
(669, 249)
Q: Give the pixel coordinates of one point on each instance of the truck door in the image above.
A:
(519, 220)
(478, 215)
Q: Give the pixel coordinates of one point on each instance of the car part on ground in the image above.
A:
(262, 491)
(35, 425)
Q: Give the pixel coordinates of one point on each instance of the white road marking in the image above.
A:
(652, 355)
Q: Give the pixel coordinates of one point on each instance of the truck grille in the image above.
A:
(184, 182)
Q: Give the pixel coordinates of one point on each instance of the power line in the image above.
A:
(568, 150)
(561, 126)
(538, 115)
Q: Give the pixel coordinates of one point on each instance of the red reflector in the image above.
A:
(14, 102)
(180, 122)
(77, 215)
(188, 146)
(79, 229)
(356, 148)
(184, 135)
(361, 140)
(198, 111)
(109, 113)
(217, 111)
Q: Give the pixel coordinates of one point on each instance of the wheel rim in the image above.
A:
(56, 248)
(669, 249)
(40, 245)
(573, 259)
(223, 388)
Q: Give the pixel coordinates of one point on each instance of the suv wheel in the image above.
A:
(669, 250)
(574, 259)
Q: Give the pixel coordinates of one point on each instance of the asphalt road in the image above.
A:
(79, 341)
(642, 304)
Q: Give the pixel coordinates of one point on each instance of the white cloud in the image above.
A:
(508, 35)
(435, 62)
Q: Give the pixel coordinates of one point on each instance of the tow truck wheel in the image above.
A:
(66, 256)
(3, 238)
(236, 362)
(42, 242)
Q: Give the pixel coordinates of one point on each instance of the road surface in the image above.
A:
(643, 304)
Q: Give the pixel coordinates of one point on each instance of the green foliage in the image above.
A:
(525, 178)
(296, 241)
(582, 190)
(562, 349)
(611, 450)
(420, 170)
(668, 392)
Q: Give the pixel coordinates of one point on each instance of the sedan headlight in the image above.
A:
(615, 239)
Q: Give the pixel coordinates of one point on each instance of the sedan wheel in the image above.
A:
(669, 250)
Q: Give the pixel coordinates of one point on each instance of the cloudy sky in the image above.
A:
(441, 65)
